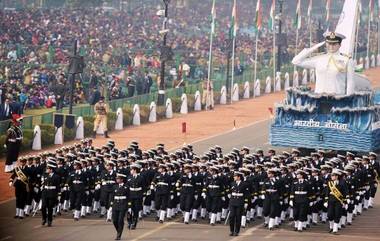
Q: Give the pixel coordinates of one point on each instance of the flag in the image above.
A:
(258, 22)
(234, 24)
(297, 20)
(371, 9)
(328, 10)
(272, 14)
(213, 16)
(309, 9)
(360, 13)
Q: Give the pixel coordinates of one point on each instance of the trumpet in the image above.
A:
(335, 192)
(22, 177)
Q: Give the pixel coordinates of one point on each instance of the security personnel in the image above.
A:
(238, 201)
(334, 71)
(101, 111)
(13, 143)
(300, 193)
(50, 188)
(335, 200)
(20, 181)
(161, 184)
(136, 188)
(119, 202)
(76, 183)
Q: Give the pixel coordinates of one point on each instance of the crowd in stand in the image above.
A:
(121, 48)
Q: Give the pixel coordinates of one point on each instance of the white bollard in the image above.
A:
(257, 89)
(246, 90)
(366, 62)
(136, 115)
(361, 61)
(152, 112)
(295, 79)
(58, 138)
(373, 61)
(278, 81)
(287, 81)
(36, 145)
(304, 77)
(223, 95)
(197, 102)
(184, 104)
(268, 87)
(235, 92)
(119, 119)
(312, 76)
(79, 134)
(169, 109)
(378, 60)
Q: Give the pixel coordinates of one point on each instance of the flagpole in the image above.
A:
(369, 34)
(255, 68)
(356, 38)
(233, 67)
(295, 68)
(274, 59)
(310, 33)
(210, 56)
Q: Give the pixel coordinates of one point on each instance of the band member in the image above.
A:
(119, 204)
(50, 188)
(13, 143)
(101, 111)
(20, 181)
(238, 201)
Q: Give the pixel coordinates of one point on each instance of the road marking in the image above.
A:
(271, 235)
(156, 230)
(5, 201)
(6, 238)
(37, 226)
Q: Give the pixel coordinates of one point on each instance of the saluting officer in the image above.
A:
(50, 188)
(238, 201)
(119, 204)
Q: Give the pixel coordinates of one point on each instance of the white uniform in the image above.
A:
(333, 71)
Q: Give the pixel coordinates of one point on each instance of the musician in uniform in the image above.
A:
(120, 196)
(238, 202)
(101, 111)
(20, 181)
(13, 142)
(335, 200)
(50, 185)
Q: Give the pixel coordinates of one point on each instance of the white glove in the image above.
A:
(357, 198)
(305, 53)
(262, 196)
(97, 187)
(346, 206)
(196, 197)
(254, 199)
(10, 184)
(152, 187)
(171, 197)
(92, 191)
(291, 203)
(245, 205)
(177, 184)
(325, 204)
(87, 192)
(286, 201)
(367, 188)
(229, 196)
(281, 202)
(348, 201)
(311, 204)
(35, 190)
(178, 194)
(223, 199)
(148, 192)
(203, 195)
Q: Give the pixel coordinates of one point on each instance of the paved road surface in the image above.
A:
(365, 227)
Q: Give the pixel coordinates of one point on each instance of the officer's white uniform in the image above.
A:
(334, 71)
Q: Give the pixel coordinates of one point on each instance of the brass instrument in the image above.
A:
(335, 192)
(22, 177)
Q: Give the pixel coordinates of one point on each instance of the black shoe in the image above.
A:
(15, 216)
(265, 225)
(26, 215)
(259, 217)
(270, 229)
(101, 216)
(323, 222)
(194, 220)
(295, 229)
(161, 221)
(157, 218)
(232, 234)
(21, 217)
(133, 227)
(59, 213)
(118, 236)
(129, 226)
(236, 234)
(76, 219)
(349, 223)
(291, 219)
(330, 231)
(300, 231)
(188, 223)
(335, 233)
(315, 224)
(43, 222)
(106, 134)
(213, 224)
(49, 224)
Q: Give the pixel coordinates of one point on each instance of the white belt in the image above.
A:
(213, 186)
(135, 189)
(236, 194)
(108, 182)
(198, 183)
(77, 182)
(271, 190)
(187, 185)
(12, 140)
(120, 197)
(163, 183)
(300, 192)
(50, 187)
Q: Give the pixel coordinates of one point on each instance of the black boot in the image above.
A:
(106, 134)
